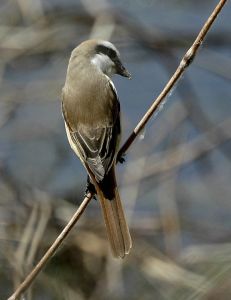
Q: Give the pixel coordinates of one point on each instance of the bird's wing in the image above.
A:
(96, 147)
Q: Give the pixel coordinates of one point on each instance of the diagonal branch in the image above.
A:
(41, 264)
(185, 62)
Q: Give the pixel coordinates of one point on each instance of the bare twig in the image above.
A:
(185, 62)
(183, 154)
(30, 278)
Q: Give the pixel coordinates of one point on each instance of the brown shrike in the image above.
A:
(91, 111)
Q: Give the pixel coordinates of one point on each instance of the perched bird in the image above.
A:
(91, 112)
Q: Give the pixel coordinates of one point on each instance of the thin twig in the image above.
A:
(181, 155)
(185, 62)
(30, 278)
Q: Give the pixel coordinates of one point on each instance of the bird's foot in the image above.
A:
(121, 158)
(90, 188)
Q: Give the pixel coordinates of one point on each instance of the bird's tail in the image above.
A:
(113, 213)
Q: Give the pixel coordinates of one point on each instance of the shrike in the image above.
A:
(91, 112)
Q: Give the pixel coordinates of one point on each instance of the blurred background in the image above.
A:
(175, 183)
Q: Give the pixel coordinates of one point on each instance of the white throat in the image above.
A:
(103, 64)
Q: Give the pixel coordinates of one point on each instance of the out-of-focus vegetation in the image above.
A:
(175, 184)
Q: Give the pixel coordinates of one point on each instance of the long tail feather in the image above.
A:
(115, 221)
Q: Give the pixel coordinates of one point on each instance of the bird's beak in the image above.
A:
(121, 70)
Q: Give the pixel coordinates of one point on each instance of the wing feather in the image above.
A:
(97, 147)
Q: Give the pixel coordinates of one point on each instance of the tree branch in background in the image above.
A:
(185, 62)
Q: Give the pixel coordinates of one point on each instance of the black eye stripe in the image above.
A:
(107, 51)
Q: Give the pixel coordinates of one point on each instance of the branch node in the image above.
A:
(188, 58)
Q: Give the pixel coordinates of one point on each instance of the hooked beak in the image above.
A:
(121, 70)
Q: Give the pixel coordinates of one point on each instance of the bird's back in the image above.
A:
(92, 93)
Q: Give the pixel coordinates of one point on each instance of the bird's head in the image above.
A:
(104, 56)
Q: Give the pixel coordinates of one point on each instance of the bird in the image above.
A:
(91, 112)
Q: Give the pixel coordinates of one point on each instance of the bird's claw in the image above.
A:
(90, 188)
(121, 158)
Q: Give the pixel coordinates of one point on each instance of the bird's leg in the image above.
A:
(121, 158)
(90, 188)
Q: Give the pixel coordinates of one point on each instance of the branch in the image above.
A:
(183, 154)
(185, 62)
(31, 277)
